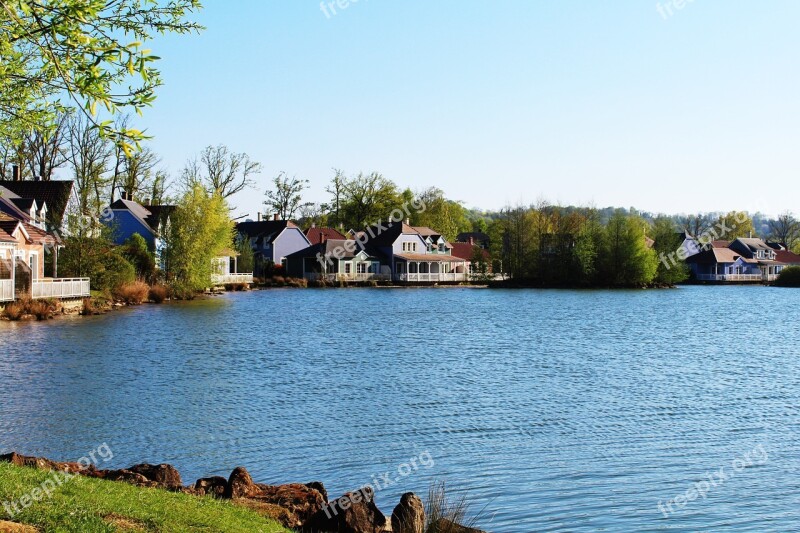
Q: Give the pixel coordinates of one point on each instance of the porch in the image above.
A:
(430, 268)
(752, 278)
(61, 288)
(224, 279)
(433, 277)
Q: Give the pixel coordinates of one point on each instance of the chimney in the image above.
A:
(322, 239)
(313, 224)
(472, 240)
(15, 175)
(276, 217)
(259, 216)
(146, 201)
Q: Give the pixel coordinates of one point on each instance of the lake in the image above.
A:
(550, 410)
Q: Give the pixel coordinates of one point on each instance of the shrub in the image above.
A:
(789, 277)
(158, 294)
(41, 309)
(132, 293)
(182, 291)
(278, 281)
(14, 311)
(443, 514)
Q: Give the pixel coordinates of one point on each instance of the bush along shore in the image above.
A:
(300, 507)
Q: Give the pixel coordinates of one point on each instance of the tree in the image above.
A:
(286, 197)
(200, 230)
(45, 147)
(667, 242)
(220, 170)
(245, 263)
(136, 251)
(138, 173)
(336, 190)
(734, 225)
(89, 156)
(785, 229)
(82, 54)
(367, 199)
(627, 260)
(441, 214)
(696, 225)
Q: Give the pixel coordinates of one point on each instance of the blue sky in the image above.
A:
(577, 102)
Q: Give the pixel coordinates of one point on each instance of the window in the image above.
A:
(348, 268)
(413, 247)
(361, 268)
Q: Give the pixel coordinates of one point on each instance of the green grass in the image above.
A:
(93, 505)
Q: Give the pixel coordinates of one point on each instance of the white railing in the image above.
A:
(6, 290)
(315, 276)
(436, 277)
(733, 277)
(220, 279)
(60, 288)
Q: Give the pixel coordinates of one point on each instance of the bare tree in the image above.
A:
(785, 229)
(139, 172)
(696, 225)
(121, 124)
(46, 148)
(221, 170)
(286, 198)
(90, 157)
(336, 190)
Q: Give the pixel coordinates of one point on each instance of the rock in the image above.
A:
(444, 525)
(301, 501)
(409, 515)
(319, 487)
(28, 461)
(128, 477)
(165, 475)
(211, 486)
(240, 484)
(355, 512)
(13, 527)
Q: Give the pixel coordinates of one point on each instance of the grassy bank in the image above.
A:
(93, 505)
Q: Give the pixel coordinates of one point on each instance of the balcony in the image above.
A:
(225, 279)
(6, 290)
(60, 288)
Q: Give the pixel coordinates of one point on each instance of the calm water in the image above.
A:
(553, 410)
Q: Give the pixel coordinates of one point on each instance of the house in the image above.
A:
(55, 196)
(474, 237)
(415, 254)
(25, 246)
(317, 235)
(743, 260)
(272, 241)
(223, 272)
(336, 260)
(466, 251)
(149, 221)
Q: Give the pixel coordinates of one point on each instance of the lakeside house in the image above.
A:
(272, 241)
(741, 261)
(317, 235)
(395, 251)
(26, 244)
(149, 221)
(225, 269)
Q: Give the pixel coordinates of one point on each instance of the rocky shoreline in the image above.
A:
(303, 507)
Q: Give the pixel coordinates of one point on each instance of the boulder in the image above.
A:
(409, 515)
(211, 486)
(319, 487)
(127, 476)
(44, 464)
(165, 475)
(301, 501)
(240, 484)
(355, 512)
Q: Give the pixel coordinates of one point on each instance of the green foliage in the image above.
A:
(626, 259)
(89, 252)
(136, 251)
(200, 230)
(441, 214)
(366, 199)
(671, 269)
(789, 277)
(88, 54)
(246, 260)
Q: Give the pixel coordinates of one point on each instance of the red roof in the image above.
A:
(314, 235)
(785, 256)
(464, 250)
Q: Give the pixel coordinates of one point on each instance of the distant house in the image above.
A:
(335, 260)
(225, 269)
(317, 235)
(466, 251)
(743, 260)
(25, 245)
(272, 241)
(474, 237)
(149, 221)
(415, 254)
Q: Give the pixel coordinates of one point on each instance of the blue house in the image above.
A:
(129, 217)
